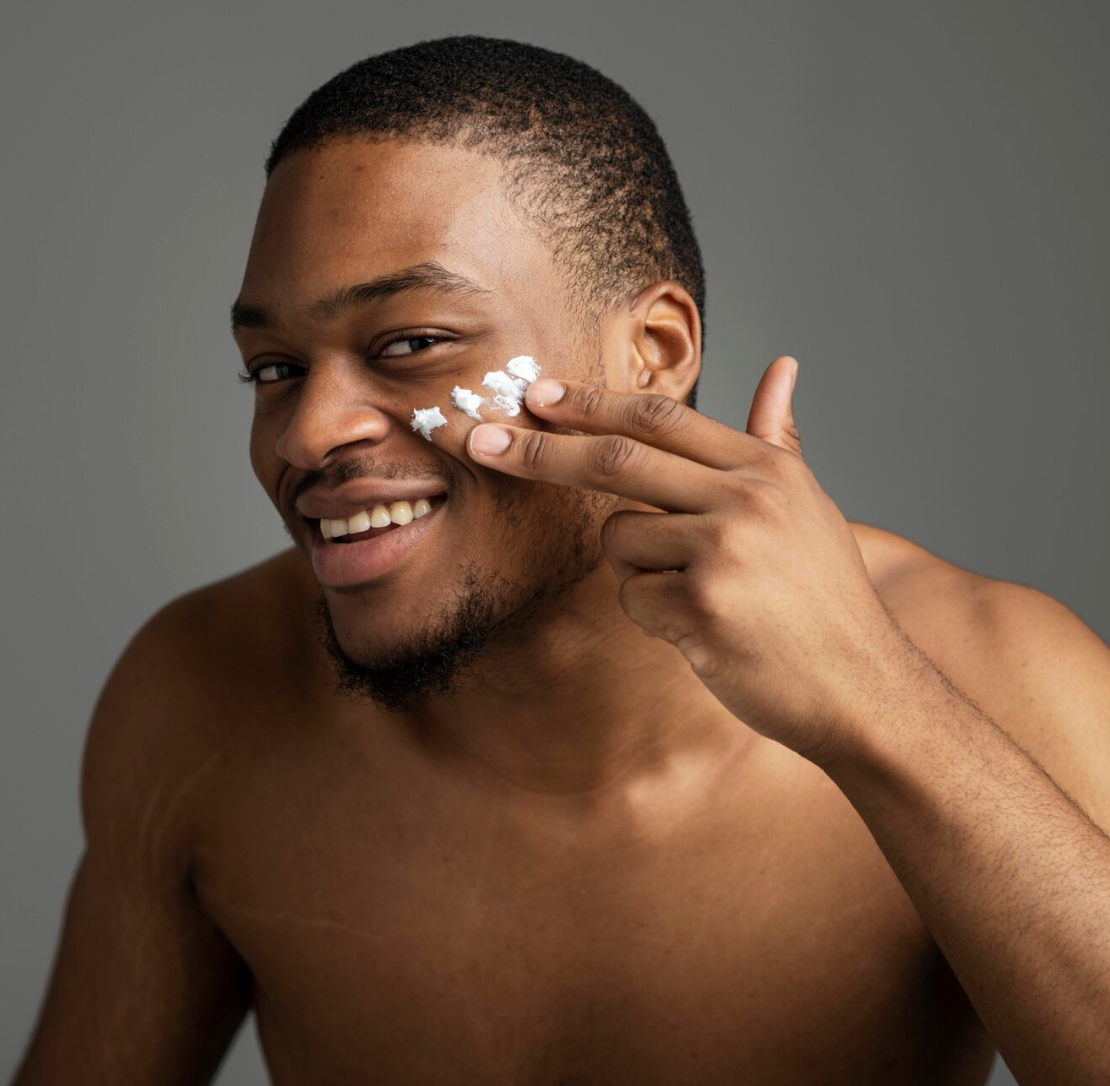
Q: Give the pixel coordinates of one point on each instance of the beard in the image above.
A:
(483, 608)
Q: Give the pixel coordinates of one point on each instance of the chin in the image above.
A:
(401, 660)
(366, 631)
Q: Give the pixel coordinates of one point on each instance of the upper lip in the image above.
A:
(344, 503)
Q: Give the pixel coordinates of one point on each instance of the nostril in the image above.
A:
(321, 420)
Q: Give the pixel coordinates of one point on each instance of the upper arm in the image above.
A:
(144, 987)
(1032, 665)
(1053, 689)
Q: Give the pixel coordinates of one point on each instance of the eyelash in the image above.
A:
(250, 376)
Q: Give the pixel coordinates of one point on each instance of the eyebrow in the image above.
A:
(427, 276)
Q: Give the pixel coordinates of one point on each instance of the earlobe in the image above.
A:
(667, 339)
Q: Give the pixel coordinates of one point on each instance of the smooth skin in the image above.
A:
(772, 843)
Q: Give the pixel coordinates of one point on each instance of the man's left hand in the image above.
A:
(750, 570)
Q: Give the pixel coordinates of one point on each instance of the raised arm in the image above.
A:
(753, 574)
(144, 988)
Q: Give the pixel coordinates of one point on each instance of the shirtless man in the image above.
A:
(630, 761)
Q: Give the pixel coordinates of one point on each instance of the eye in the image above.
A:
(267, 373)
(408, 345)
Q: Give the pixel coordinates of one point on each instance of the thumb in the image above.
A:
(772, 415)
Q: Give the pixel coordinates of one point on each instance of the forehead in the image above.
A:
(355, 209)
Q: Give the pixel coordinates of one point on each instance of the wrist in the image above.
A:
(893, 693)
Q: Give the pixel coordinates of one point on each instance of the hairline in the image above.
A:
(587, 304)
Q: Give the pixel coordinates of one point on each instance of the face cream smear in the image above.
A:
(523, 366)
(426, 419)
(508, 388)
(467, 401)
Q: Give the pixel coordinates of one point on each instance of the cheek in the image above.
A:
(451, 436)
(264, 460)
(542, 525)
(260, 462)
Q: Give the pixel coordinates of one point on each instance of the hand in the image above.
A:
(750, 571)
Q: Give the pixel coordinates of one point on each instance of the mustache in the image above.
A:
(347, 471)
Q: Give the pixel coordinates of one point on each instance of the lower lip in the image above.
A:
(340, 565)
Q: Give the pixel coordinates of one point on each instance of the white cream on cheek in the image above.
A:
(508, 386)
(525, 367)
(507, 394)
(426, 419)
(465, 400)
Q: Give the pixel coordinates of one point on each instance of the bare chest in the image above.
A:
(417, 939)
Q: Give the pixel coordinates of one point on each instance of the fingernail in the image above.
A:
(544, 392)
(489, 439)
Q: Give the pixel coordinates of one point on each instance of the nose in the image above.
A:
(333, 409)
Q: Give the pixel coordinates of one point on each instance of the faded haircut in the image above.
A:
(582, 159)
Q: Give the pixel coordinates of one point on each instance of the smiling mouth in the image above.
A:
(380, 520)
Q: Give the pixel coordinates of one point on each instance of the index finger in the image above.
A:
(613, 463)
(660, 421)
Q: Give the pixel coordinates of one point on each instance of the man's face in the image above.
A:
(339, 384)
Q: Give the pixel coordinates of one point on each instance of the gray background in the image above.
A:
(909, 198)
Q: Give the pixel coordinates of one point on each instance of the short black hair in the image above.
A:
(582, 157)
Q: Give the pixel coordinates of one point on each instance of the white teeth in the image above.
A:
(380, 516)
(400, 513)
(358, 523)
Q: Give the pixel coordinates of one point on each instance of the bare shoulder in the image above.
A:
(215, 643)
(1031, 664)
(171, 712)
(259, 614)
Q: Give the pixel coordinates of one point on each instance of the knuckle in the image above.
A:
(706, 663)
(702, 595)
(784, 460)
(633, 602)
(789, 461)
(587, 401)
(760, 495)
(611, 529)
(720, 534)
(769, 498)
(626, 595)
(610, 455)
(533, 448)
(767, 459)
(655, 415)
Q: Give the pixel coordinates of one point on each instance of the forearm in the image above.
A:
(1009, 875)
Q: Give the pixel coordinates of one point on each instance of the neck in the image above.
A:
(581, 701)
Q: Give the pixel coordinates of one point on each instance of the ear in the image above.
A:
(663, 352)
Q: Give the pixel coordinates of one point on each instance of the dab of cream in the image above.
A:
(426, 419)
(508, 388)
(507, 394)
(467, 401)
(523, 366)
